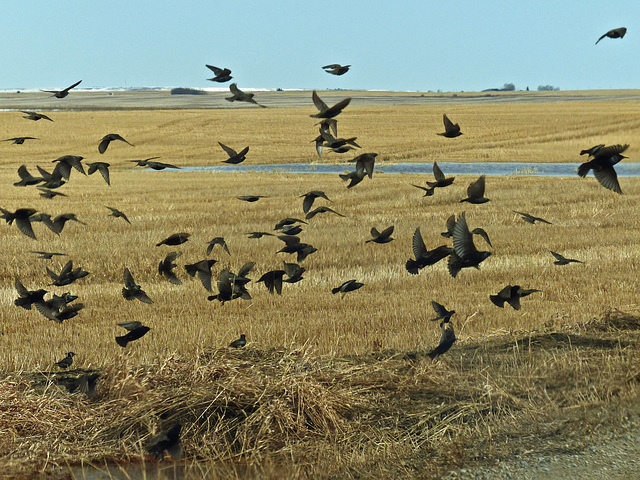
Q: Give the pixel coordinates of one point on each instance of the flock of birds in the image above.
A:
(462, 254)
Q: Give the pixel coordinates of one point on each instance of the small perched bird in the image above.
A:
(175, 239)
(321, 209)
(531, 219)
(423, 256)
(107, 139)
(273, 281)
(512, 295)
(447, 339)
(66, 362)
(26, 179)
(203, 270)
(64, 164)
(234, 157)
(475, 192)
(19, 140)
(36, 116)
(251, 198)
(47, 255)
(217, 241)
(562, 260)
(615, 33)
(346, 287)
(443, 314)
(136, 331)
(465, 254)
(169, 441)
(148, 162)
(67, 275)
(221, 74)
(101, 167)
(22, 218)
(62, 93)
(602, 165)
(132, 290)
(117, 214)
(325, 110)
(310, 197)
(240, 96)
(450, 130)
(166, 266)
(26, 298)
(381, 237)
(336, 69)
(240, 342)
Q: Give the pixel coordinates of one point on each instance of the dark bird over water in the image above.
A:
(101, 167)
(447, 339)
(346, 287)
(107, 139)
(423, 256)
(62, 93)
(310, 197)
(336, 69)
(19, 140)
(132, 290)
(117, 213)
(450, 130)
(66, 362)
(240, 96)
(615, 33)
(561, 260)
(168, 441)
(240, 342)
(136, 331)
(381, 237)
(475, 192)
(148, 162)
(166, 266)
(602, 165)
(443, 314)
(512, 295)
(531, 219)
(36, 116)
(465, 254)
(175, 239)
(325, 110)
(221, 74)
(234, 157)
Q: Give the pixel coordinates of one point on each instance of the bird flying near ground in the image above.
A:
(451, 130)
(35, 116)
(154, 165)
(531, 219)
(346, 287)
(102, 167)
(325, 110)
(117, 213)
(424, 257)
(240, 96)
(19, 140)
(175, 239)
(107, 139)
(132, 290)
(443, 314)
(602, 165)
(447, 339)
(475, 192)
(310, 197)
(465, 254)
(234, 157)
(562, 260)
(512, 295)
(381, 237)
(62, 93)
(136, 331)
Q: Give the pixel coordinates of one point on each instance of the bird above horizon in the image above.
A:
(240, 96)
(107, 139)
(336, 69)
(615, 33)
(451, 130)
(602, 165)
(62, 93)
(221, 74)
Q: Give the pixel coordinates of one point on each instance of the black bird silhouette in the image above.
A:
(294, 272)
(221, 74)
(19, 140)
(321, 209)
(512, 295)
(203, 270)
(85, 383)
(336, 69)
(101, 167)
(310, 197)
(288, 221)
(117, 213)
(465, 254)
(531, 219)
(26, 298)
(562, 260)
(291, 229)
(66, 362)
(447, 339)
(231, 286)
(148, 162)
(132, 290)
(175, 239)
(450, 130)
(60, 220)
(64, 164)
(67, 275)
(602, 164)
(346, 287)
(107, 139)
(381, 237)
(353, 178)
(47, 255)
(217, 241)
(26, 178)
(136, 331)
(259, 234)
(36, 116)
(475, 192)
(365, 163)
(62, 93)
(22, 218)
(294, 245)
(57, 309)
(168, 441)
(46, 193)
(441, 180)
(251, 198)
(615, 33)
(336, 145)
(423, 256)
(443, 314)
(166, 266)
(273, 281)
(591, 151)
(325, 110)
(240, 96)
(234, 157)
(54, 179)
(240, 342)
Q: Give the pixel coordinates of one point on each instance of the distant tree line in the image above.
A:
(547, 88)
(187, 91)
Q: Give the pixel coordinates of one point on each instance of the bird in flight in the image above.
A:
(451, 130)
(19, 140)
(615, 33)
(240, 96)
(221, 74)
(602, 165)
(35, 116)
(336, 69)
(62, 93)
(325, 110)
(234, 157)
(107, 139)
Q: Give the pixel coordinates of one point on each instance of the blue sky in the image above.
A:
(402, 45)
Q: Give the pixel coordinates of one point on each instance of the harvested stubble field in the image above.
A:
(327, 386)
